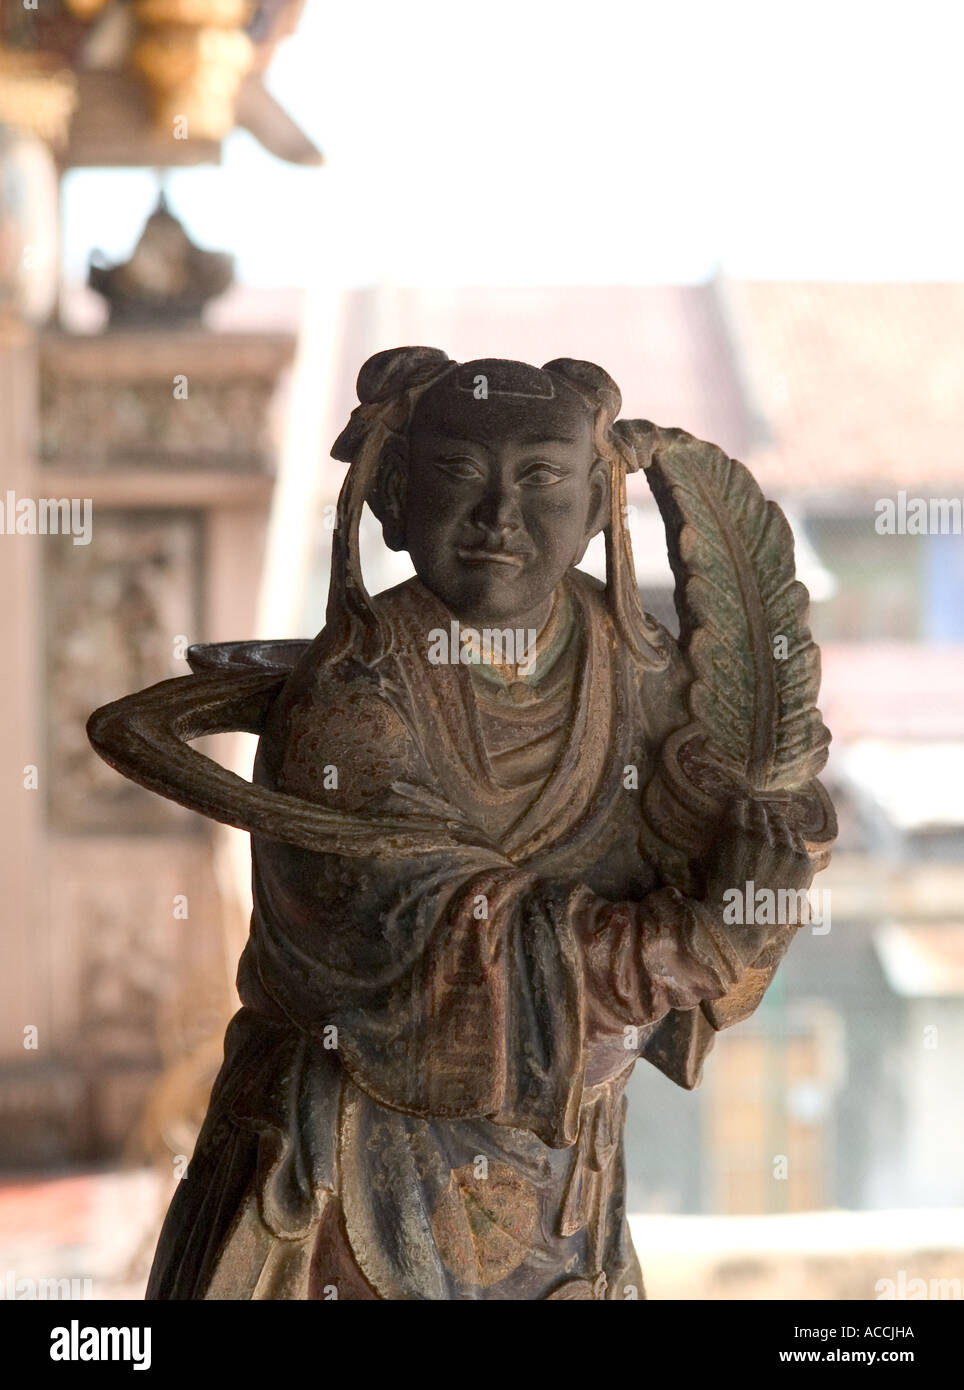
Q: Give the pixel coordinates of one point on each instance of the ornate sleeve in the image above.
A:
(644, 959)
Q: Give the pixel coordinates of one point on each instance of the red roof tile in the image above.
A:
(861, 385)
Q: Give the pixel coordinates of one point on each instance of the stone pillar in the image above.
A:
(33, 1091)
(170, 435)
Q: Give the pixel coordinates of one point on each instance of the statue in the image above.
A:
(496, 815)
(167, 278)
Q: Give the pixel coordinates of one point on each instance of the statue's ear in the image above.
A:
(599, 482)
(597, 518)
(388, 499)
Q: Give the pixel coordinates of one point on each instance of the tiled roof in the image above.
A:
(860, 385)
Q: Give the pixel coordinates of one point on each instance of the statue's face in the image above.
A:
(503, 496)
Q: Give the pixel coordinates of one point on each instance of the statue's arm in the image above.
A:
(654, 961)
(147, 737)
(707, 839)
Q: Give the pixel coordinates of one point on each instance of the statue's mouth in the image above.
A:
(492, 557)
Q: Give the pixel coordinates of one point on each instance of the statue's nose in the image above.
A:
(498, 511)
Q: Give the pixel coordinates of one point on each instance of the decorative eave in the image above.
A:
(267, 120)
(112, 127)
(151, 83)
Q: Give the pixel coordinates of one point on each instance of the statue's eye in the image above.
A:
(542, 474)
(458, 466)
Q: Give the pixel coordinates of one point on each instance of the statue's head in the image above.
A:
(496, 488)
(493, 474)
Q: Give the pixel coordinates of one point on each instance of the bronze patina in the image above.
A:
(495, 817)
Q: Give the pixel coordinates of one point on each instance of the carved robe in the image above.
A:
(422, 1096)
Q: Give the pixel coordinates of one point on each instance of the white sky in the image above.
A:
(541, 141)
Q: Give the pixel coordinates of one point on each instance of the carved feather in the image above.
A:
(753, 668)
(743, 617)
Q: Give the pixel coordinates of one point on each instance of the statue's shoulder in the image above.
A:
(333, 735)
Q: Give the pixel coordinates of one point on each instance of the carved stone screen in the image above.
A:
(117, 607)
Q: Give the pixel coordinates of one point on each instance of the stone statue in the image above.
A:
(496, 818)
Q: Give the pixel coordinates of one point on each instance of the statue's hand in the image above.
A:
(756, 841)
(756, 844)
